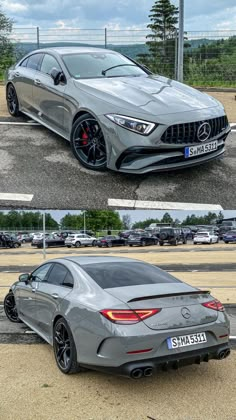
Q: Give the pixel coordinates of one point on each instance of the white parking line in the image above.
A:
(161, 205)
(18, 123)
(16, 197)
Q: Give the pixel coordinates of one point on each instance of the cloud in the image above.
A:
(14, 7)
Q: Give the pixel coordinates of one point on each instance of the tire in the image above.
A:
(12, 101)
(88, 143)
(10, 308)
(155, 242)
(109, 244)
(77, 244)
(161, 243)
(16, 245)
(174, 242)
(130, 245)
(64, 348)
(163, 236)
(184, 242)
(210, 243)
(23, 241)
(143, 243)
(195, 243)
(68, 246)
(226, 242)
(94, 243)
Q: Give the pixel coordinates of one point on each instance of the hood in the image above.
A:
(147, 94)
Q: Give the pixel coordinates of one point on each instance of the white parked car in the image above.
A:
(80, 239)
(205, 238)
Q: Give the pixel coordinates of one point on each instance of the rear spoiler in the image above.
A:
(199, 292)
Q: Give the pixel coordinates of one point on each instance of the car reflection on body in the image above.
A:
(118, 315)
(116, 113)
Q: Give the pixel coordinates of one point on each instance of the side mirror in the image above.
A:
(57, 76)
(24, 278)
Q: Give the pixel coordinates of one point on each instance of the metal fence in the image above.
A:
(209, 57)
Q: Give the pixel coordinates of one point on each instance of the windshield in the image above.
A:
(100, 64)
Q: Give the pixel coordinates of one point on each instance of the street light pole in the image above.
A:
(84, 221)
(44, 247)
(180, 71)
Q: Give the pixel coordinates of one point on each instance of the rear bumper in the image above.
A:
(172, 361)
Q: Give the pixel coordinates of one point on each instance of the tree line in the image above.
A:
(94, 220)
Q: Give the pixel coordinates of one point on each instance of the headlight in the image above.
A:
(138, 126)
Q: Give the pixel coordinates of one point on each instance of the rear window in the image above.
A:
(123, 274)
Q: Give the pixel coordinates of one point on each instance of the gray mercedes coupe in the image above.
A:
(118, 315)
(115, 113)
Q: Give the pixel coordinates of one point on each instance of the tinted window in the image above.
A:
(48, 63)
(116, 274)
(57, 274)
(68, 281)
(93, 64)
(34, 61)
(24, 63)
(40, 274)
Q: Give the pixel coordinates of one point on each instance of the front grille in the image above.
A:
(187, 133)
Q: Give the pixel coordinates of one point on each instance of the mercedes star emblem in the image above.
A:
(186, 313)
(204, 131)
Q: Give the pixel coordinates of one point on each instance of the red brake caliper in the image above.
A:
(85, 138)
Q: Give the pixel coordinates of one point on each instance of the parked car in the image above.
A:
(118, 315)
(171, 236)
(37, 238)
(8, 241)
(188, 233)
(205, 238)
(80, 239)
(84, 94)
(142, 239)
(226, 227)
(51, 241)
(230, 236)
(126, 233)
(24, 238)
(110, 240)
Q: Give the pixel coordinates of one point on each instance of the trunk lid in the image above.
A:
(180, 304)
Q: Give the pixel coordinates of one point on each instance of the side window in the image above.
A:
(34, 61)
(68, 281)
(41, 273)
(24, 62)
(57, 274)
(48, 63)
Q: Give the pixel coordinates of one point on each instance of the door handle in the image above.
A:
(37, 82)
(55, 296)
(17, 74)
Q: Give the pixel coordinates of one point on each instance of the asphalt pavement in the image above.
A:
(35, 161)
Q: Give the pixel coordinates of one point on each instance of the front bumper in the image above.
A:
(172, 361)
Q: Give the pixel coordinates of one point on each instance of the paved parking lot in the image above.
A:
(35, 161)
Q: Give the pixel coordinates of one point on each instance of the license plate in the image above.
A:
(200, 149)
(186, 340)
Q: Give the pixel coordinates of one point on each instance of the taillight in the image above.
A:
(126, 316)
(216, 305)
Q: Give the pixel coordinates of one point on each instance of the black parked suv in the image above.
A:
(172, 236)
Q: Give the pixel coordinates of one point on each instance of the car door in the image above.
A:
(48, 97)
(25, 295)
(24, 75)
(49, 295)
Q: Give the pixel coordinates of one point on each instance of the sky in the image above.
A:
(200, 15)
(139, 215)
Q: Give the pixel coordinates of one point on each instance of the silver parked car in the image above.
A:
(80, 239)
(116, 113)
(118, 315)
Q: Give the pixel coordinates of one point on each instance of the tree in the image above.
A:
(6, 47)
(95, 220)
(161, 40)
(167, 218)
(126, 219)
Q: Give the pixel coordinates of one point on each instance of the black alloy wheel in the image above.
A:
(143, 243)
(88, 144)
(10, 308)
(12, 101)
(64, 348)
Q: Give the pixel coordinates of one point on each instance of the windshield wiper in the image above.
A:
(114, 67)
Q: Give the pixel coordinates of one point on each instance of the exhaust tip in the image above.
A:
(223, 354)
(148, 371)
(227, 353)
(136, 373)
